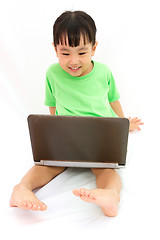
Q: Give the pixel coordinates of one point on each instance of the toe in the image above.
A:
(92, 195)
(29, 205)
(21, 204)
(87, 193)
(75, 192)
(25, 204)
(82, 192)
(39, 206)
(79, 192)
(34, 206)
(87, 199)
(43, 207)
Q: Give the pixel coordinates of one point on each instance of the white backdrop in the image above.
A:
(128, 37)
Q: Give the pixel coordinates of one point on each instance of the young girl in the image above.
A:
(77, 86)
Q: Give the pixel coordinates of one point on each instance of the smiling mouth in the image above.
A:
(74, 69)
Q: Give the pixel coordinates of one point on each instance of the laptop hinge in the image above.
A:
(78, 164)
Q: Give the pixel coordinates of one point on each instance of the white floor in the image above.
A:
(67, 215)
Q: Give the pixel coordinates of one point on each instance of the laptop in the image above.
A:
(78, 141)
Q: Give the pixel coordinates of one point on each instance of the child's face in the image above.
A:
(76, 60)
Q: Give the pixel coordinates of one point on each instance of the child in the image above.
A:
(81, 87)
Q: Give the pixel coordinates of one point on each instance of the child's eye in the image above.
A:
(82, 53)
(65, 54)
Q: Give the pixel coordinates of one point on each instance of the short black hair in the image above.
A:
(71, 26)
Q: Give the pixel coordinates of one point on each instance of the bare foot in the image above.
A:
(24, 198)
(107, 199)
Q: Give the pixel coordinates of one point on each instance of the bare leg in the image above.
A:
(37, 176)
(107, 196)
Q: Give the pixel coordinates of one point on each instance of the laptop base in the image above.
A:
(79, 164)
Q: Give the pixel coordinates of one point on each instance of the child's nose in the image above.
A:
(74, 60)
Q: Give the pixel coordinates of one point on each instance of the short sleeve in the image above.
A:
(113, 94)
(49, 94)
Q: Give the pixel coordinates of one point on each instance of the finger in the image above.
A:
(134, 119)
(138, 121)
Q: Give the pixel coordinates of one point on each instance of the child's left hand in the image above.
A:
(134, 124)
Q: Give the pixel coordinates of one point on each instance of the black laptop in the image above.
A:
(79, 141)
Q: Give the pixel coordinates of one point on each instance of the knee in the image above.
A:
(94, 170)
(97, 171)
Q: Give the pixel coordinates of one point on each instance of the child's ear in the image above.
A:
(94, 48)
(55, 48)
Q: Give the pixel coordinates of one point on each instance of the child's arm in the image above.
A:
(52, 110)
(134, 122)
(116, 106)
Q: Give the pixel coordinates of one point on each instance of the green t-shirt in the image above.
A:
(88, 95)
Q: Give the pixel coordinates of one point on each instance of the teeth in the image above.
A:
(74, 68)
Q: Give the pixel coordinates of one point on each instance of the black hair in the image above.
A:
(71, 26)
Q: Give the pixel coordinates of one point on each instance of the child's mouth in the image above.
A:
(74, 69)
